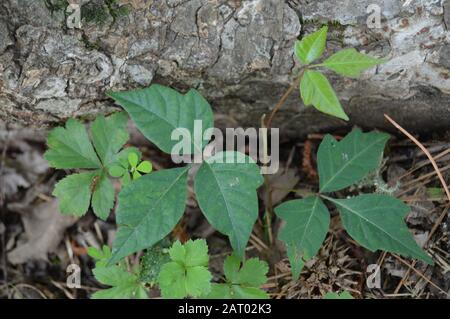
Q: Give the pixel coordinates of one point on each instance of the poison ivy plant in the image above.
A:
(124, 284)
(375, 221)
(311, 47)
(344, 163)
(72, 148)
(225, 184)
(350, 63)
(150, 206)
(159, 111)
(225, 188)
(315, 88)
(187, 273)
(243, 280)
(148, 210)
(307, 223)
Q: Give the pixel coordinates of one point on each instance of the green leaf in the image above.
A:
(192, 253)
(225, 291)
(242, 282)
(317, 91)
(307, 223)
(220, 291)
(145, 167)
(187, 274)
(149, 208)
(102, 196)
(136, 175)
(344, 163)
(101, 257)
(74, 193)
(377, 222)
(158, 111)
(122, 156)
(126, 179)
(335, 295)
(252, 273)
(124, 284)
(117, 171)
(70, 147)
(109, 135)
(225, 187)
(239, 292)
(133, 159)
(350, 62)
(311, 47)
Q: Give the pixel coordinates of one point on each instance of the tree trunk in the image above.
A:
(238, 53)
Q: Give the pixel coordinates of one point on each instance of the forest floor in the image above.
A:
(37, 243)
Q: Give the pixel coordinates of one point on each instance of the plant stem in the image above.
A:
(268, 188)
(283, 100)
(267, 125)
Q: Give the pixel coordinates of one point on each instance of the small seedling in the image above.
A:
(130, 169)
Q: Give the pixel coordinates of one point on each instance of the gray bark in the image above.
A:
(239, 54)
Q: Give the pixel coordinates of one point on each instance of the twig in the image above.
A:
(433, 230)
(421, 275)
(424, 149)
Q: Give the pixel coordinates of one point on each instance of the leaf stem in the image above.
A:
(268, 215)
(317, 65)
(283, 99)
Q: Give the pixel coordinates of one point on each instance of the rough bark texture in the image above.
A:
(237, 53)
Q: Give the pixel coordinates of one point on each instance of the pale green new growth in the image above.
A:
(317, 91)
(311, 47)
(130, 169)
(350, 62)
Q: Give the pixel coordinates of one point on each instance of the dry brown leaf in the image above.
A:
(282, 184)
(44, 228)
